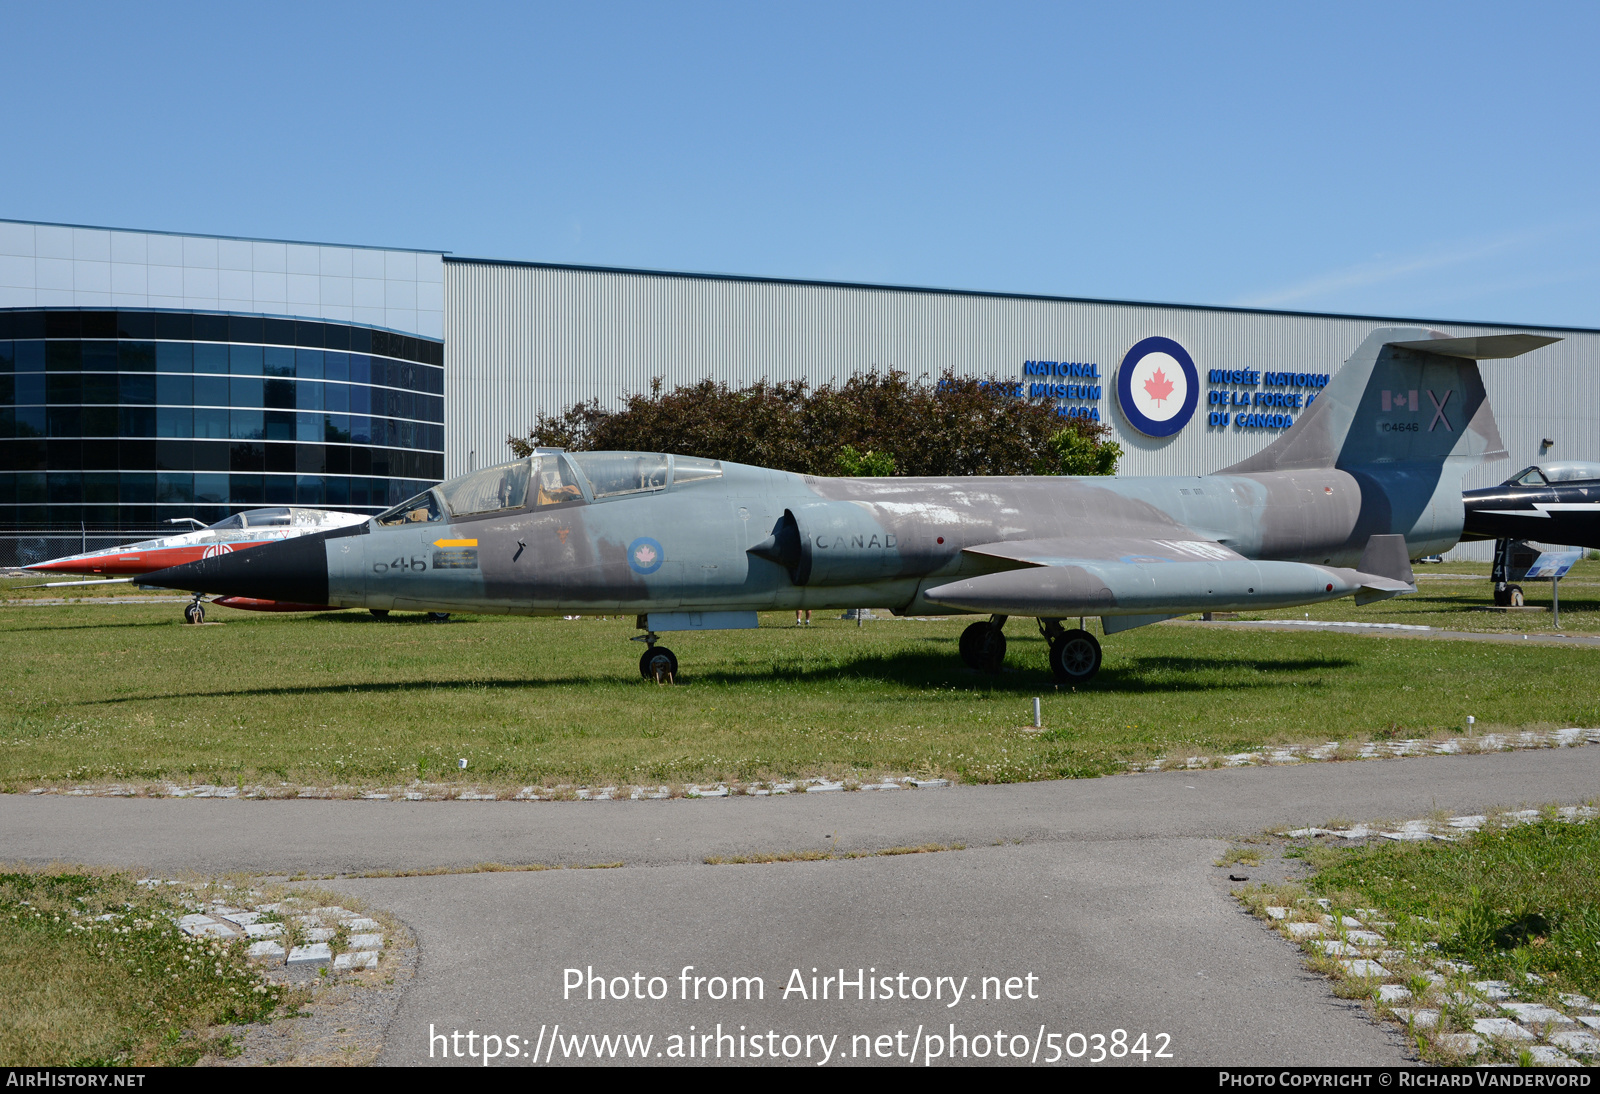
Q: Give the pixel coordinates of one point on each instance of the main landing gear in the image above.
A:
(1508, 596)
(983, 645)
(657, 662)
(1074, 654)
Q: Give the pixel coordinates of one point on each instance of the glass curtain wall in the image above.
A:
(126, 418)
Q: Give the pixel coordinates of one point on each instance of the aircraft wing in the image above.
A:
(1130, 580)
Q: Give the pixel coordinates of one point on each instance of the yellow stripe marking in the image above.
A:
(455, 543)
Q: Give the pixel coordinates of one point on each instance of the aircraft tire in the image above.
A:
(194, 613)
(1502, 597)
(379, 613)
(983, 647)
(1514, 596)
(438, 617)
(658, 660)
(1075, 657)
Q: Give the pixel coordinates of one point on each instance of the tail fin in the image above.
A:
(1408, 395)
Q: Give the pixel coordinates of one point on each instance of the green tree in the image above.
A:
(859, 464)
(953, 426)
(1081, 453)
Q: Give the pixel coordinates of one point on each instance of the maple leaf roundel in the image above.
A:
(1158, 387)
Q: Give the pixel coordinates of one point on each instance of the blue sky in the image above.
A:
(1435, 160)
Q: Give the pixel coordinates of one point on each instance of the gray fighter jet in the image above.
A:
(1367, 479)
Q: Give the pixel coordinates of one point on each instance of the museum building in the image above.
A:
(152, 375)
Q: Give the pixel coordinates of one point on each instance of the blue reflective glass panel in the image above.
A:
(337, 428)
(360, 429)
(211, 391)
(279, 361)
(136, 356)
(307, 395)
(308, 364)
(280, 425)
(29, 356)
(211, 488)
(309, 490)
(174, 357)
(336, 397)
(279, 490)
(100, 487)
(65, 421)
(174, 421)
(63, 356)
(245, 391)
(174, 488)
(7, 356)
(245, 425)
(360, 368)
(174, 389)
(308, 427)
(100, 421)
(137, 387)
(137, 488)
(30, 387)
(66, 388)
(335, 365)
(245, 490)
(279, 395)
(99, 357)
(244, 360)
(137, 421)
(211, 359)
(360, 399)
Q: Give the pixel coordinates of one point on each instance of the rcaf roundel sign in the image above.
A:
(1158, 387)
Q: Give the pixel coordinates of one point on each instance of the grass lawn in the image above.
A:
(127, 693)
(1506, 917)
(79, 990)
(1508, 902)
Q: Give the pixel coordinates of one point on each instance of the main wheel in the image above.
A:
(1502, 596)
(1514, 596)
(379, 613)
(1075, 657)
(983, 647)
(438, 617)
(658, 663)
(194, 612)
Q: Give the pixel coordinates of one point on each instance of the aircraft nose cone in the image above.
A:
(293, 570)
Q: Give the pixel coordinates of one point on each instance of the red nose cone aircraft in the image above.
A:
(251, 528)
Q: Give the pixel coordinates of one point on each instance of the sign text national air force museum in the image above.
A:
(1158, 389)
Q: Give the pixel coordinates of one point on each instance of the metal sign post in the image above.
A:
(1554, 565)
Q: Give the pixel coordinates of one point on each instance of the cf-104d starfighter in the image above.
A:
(1336, 506)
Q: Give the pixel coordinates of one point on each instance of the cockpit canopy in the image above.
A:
(551, 477)
(1543, 474)
(287, 517)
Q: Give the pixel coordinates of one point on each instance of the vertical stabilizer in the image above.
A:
(1398, 399)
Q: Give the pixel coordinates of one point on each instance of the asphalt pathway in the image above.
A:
(1102, 891)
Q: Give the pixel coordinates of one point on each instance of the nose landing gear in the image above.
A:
(657, 662)
(194, 611)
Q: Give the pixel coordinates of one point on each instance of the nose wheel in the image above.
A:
(1074, 656)
(659, 664)
(194, 611)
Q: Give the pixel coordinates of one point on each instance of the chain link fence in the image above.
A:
(24, 546)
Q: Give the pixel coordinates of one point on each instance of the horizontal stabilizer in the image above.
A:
(1485, 347)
